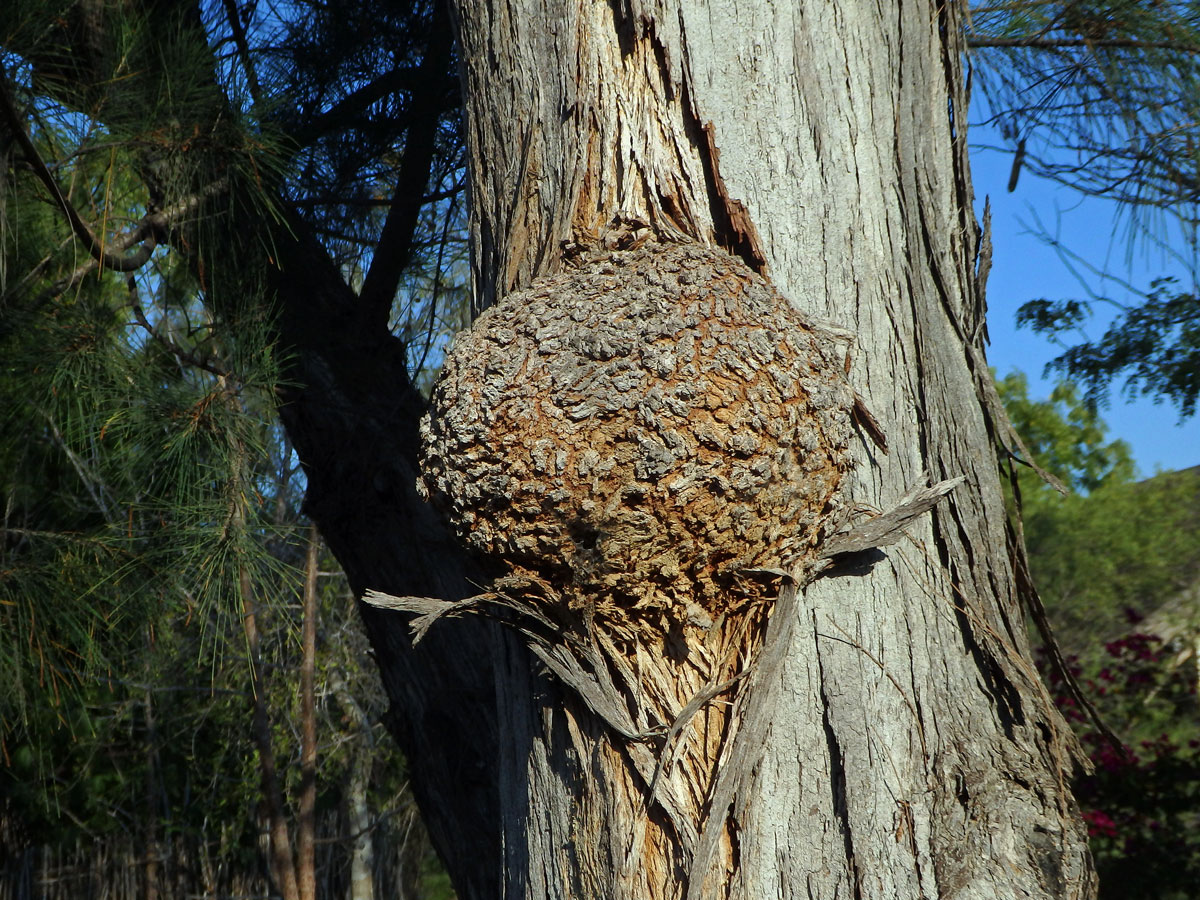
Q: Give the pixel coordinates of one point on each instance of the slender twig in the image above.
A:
(329, 200)
(95, 487)
(146, 233)
(184, 355)
(1037, 42)
(306, 813)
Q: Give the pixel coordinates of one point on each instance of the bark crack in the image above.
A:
(837, 775)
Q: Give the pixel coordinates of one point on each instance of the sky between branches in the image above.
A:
(1025, 267)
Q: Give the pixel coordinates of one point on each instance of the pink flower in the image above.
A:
(1099, 822)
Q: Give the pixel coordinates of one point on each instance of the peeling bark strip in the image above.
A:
(717, 725)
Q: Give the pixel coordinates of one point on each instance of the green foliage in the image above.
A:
(1156, 345)
(1113, 544)
(1066, 437)
(1102, 558)
(1125, 546)
(148, 488)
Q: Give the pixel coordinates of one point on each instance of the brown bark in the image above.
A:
(306, 869)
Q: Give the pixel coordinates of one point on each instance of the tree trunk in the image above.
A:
(886, 734)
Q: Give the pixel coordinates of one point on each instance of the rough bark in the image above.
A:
(890, 738)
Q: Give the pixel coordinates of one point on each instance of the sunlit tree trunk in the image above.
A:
(901, 744)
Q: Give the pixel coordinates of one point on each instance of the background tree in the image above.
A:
(1154, 346)
(1116, 563)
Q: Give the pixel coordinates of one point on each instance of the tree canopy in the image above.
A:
(1105, 99)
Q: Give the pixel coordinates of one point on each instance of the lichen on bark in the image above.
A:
(640, 431)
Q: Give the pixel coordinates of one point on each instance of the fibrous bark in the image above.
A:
(899, 743)
(630, 446)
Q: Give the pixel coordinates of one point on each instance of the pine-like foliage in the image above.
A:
(152, 157)
(1101, 96)
(1104, 97)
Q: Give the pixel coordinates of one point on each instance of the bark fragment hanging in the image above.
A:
(640, 430)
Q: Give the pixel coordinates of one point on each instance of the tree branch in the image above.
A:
(165, 219)
(243, 48)
(1037, 42)
(396, 240)
(139, 315)
(401, 79)
(146, 232)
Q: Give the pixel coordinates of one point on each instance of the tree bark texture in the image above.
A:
(887, 735)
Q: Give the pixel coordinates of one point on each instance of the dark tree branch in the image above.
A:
(342, 113)
(164, 221)
(331, 200)
(395, 242)
(243, 47)
(1038, 42)
(183, 355)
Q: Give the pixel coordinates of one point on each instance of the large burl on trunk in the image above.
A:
(632, 447)
(656, 452)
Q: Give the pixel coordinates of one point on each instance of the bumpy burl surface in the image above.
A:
(641, 428)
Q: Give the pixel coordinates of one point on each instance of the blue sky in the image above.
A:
(1025, 267)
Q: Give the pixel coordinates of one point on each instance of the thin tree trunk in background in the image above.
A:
(279, 851)
(151, 848)
(358, 809)
(306, 816)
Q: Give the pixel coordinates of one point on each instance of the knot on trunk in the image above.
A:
(641, 429)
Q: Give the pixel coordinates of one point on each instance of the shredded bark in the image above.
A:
(638, 431)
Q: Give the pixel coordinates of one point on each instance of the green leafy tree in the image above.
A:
(1066, 436)
(1108, 560)
(1113, 543)
(1154, 346)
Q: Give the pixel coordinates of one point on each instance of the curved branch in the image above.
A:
(147, 230)
(160, 223)
(394, 249)
(182, 354)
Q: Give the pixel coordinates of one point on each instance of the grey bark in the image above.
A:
(908, 748)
